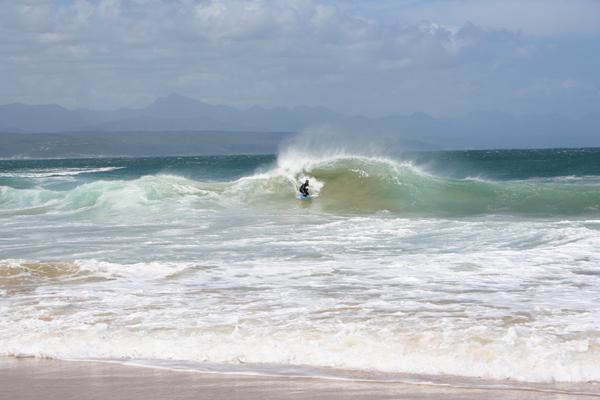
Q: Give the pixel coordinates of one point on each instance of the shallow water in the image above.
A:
(478, 264)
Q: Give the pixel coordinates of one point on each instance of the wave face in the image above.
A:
(479, 264)
(343, 183)
(361, 184)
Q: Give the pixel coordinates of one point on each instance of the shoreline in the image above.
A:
(33, 378)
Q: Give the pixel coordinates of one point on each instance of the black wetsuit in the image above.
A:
(304, 189)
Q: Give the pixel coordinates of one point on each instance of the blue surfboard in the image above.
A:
(304, 197)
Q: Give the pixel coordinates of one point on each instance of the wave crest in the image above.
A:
(367, 184)
(340, 183)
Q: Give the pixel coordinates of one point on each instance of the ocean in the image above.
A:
(469, 263)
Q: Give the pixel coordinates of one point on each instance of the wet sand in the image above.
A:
(65, 380)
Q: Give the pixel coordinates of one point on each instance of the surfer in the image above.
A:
(304, 189)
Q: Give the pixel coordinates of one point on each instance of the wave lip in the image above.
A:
(349, 183)
(111, 197)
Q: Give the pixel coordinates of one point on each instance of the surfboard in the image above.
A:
(303, 197)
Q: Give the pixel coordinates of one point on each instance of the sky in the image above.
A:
(370, 57)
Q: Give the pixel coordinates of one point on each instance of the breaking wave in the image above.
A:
(342, 183)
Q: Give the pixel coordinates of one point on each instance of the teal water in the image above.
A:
(521, 182)
(472, 263)
(487, 164)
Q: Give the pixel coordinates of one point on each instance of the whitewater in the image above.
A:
(473, 264)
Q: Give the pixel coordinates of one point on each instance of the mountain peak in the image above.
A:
(175, 105)
(174, 98)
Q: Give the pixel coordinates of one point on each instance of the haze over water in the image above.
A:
(481, 263)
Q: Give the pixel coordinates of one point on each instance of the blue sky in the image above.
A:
(368, 57)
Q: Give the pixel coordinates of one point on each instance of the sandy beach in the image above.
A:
(64, 380)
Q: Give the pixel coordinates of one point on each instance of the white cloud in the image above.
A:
(535, 17)
(276, 52)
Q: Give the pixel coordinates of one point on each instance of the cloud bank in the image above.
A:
(374, 58)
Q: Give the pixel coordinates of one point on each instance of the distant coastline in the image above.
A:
(177, 125)
(137, 144)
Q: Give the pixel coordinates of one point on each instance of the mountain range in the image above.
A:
(175, 113)
(172, 113)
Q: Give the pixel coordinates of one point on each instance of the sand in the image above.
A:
(65, 380)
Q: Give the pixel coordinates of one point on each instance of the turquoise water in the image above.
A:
(520, 182)
(473, 263)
